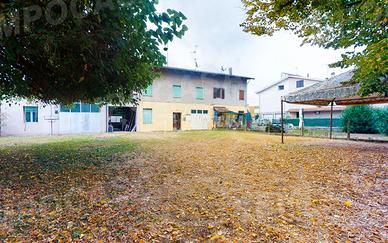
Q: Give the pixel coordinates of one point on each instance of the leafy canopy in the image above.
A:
(359, 25)
(89, 50)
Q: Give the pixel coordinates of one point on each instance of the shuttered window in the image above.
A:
(219, 93)
(147, 116)
(148, 91)
(30, 114)
(199, 93)
(242, 95)
(177, 91)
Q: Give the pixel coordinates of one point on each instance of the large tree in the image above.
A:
(359, 26)
(92, 50)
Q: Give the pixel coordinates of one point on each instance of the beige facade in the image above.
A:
(162, 115)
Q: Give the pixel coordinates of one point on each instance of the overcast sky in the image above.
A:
(214, 26)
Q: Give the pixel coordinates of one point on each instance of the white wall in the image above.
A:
(13, 122)
(12, 119)
(269, 99)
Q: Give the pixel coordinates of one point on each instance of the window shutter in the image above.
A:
(222, 93)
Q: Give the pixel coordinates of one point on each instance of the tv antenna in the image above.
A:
(195, 56)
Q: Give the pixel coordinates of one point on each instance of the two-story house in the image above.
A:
(180, 99)
(270, 98)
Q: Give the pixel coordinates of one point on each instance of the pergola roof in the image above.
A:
(334, 89)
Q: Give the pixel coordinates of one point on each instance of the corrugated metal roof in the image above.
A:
(336, 88)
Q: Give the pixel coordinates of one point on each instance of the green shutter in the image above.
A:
(147, 116)
(148, 91)
(177, 91)
(199, 93)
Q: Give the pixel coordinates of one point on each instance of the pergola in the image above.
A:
(334, 90)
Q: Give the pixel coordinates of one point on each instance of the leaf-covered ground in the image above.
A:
(194, 186)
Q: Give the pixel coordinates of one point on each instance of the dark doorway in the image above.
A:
(177, 118)
(122, 119)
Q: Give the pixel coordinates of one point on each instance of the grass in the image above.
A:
(191, 186)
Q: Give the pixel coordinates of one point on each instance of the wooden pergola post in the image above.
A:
(282, 119)
(331, 120)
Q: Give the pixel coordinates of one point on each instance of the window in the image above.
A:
(205, 111)
(147, 116)
(242, 95)
(177, 91)
(199, 111)
(30, 114)
(281, 87)
(199, 93)
(85, 107)
(219, 93)
(193, 111)
(300, 83)
(148, 91)
(81, 107)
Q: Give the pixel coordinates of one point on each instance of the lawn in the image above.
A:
(192, 186)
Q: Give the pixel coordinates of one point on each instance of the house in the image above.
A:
(270, 98)
(180, 99)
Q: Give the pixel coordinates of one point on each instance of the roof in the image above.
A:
(335, 89)
(324, 108)
(203, 73)
(285, 78)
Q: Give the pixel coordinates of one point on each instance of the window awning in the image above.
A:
(222, 110)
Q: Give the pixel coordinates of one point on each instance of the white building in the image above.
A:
(270, 98)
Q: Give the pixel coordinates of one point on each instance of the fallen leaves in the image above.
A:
(205, 186)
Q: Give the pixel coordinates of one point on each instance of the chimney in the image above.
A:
(308, 75)
(230, 71)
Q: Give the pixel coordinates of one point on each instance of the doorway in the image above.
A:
(122, 119)
(177, 121)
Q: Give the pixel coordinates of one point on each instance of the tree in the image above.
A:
(61, 51)
(360, 25)
(361, 119)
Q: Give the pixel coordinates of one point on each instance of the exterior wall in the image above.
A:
(162, 103)
(162, 115)
(162, 90)
(269, 99)
(322, 114)
(13, 122)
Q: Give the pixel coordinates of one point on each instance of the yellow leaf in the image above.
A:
(348, 203)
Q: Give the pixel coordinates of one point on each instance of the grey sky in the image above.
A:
(214, 27)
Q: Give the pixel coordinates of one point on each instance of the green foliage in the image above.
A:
(381, 118)
(361, 119)
(356, 24)
(105, 56)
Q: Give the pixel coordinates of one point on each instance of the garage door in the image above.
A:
(199, 119)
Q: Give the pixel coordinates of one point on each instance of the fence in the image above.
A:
(315, 122)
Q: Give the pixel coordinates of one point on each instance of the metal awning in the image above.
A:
(335, 89)
(221, 109)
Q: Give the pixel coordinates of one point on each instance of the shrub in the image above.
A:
(381, 118)
(361, 118)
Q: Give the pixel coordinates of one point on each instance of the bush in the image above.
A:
(361, 118)
(381, 118)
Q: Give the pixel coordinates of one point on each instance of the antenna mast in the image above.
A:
(195, 56)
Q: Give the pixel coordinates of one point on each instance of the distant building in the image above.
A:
(270, 98)
(180, 99)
